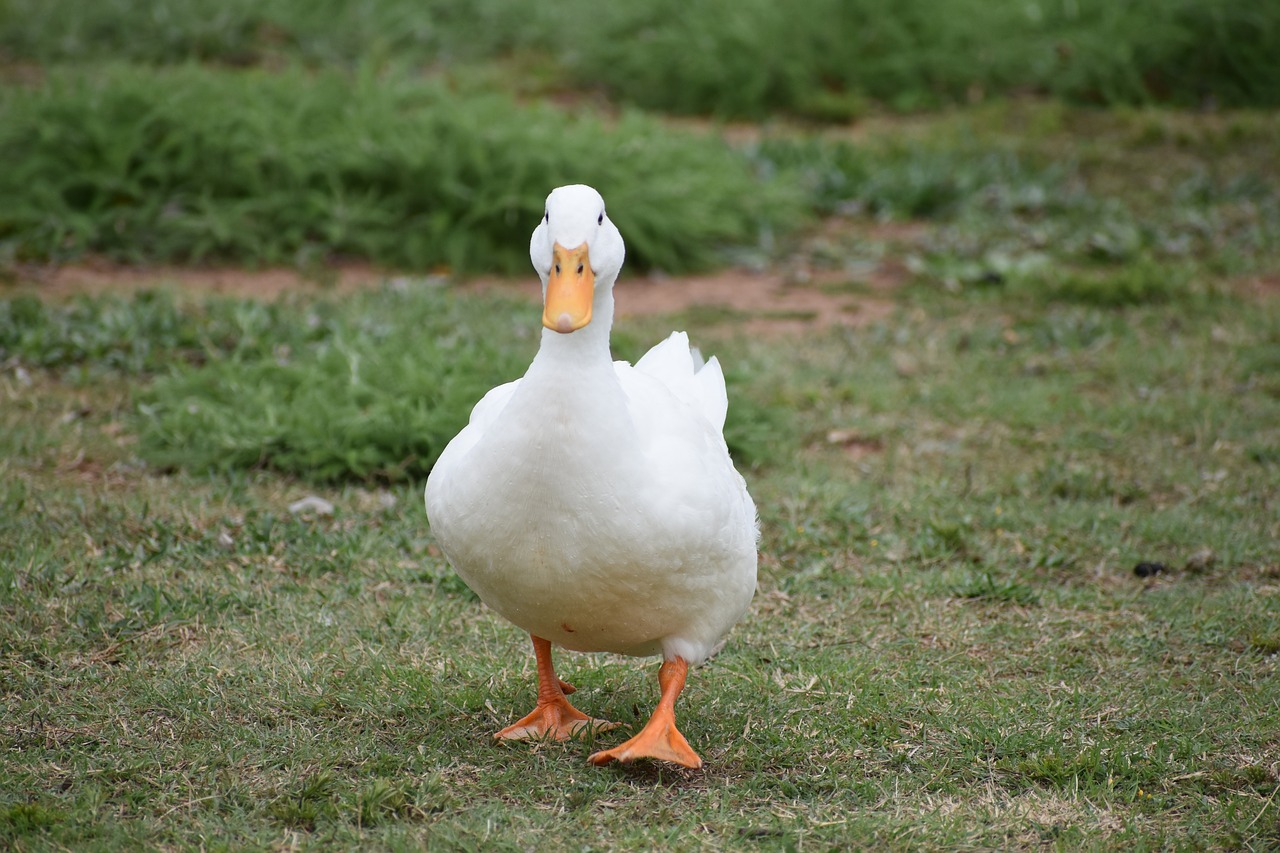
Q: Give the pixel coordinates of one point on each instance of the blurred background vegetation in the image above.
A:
(422, 134)
(1035, 138)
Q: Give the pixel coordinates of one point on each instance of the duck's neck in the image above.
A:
(571, 388)
(570, 415)
(587, 349)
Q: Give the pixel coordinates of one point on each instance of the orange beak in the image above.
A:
(570, 290)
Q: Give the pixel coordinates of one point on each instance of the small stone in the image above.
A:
(311, 503)
(905, 366)
(1201, 561)
(1149, 570)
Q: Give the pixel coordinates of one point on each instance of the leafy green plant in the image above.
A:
(374, 392)
(243, 32)
(822, 59)
(141, 334)
(905, 180)
(370, 388)
(1140, 283)
(752, 58)
(188, 164)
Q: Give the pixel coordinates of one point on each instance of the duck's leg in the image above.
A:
(659, 738)
(553, 716)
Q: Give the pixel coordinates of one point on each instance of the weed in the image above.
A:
(906, 180)
(984, 587)
(139, 335)
(370, 388)
(1137, 284)
(820, 58)
(823, 58)
(188, 164)
(25, 819)
(374, 393)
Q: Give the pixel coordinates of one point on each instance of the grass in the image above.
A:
(948, 647)
(1038, 203)
(191, 164)
(404, 374)
(147, 165)
(820, 59)
(827, 59)
(370, 387)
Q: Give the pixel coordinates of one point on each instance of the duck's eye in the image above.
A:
(600, 218)
(546, 215)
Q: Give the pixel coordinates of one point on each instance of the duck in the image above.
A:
(593, 503)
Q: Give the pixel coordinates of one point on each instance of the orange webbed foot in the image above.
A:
(659, 739)
(553, 717)
(557, 720)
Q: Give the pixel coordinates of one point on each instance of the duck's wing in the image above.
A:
(682, 371)
(492, 404)
(482, 417)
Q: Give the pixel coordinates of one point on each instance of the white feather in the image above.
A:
(594, 504)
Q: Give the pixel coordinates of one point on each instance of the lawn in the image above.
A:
(1019, 580)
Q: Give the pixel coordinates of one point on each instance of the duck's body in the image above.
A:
(592, 503)
(626, 531)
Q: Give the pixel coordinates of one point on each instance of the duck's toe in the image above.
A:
(557, 720)
(661, 741)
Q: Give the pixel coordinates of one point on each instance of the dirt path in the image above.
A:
(791, 300)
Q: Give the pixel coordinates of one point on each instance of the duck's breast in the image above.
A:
(599, 535)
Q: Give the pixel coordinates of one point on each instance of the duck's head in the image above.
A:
(575, 249)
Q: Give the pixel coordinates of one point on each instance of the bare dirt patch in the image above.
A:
(795, 296)
(1263, 286)
(855, 445)
(772, 302)
(95, 277)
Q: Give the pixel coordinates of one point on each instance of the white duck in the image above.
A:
(594, 504)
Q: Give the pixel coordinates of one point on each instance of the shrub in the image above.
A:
(188, 164)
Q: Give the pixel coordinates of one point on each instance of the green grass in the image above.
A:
(191, 164)
(371, 390)
(821, 58)
(1041, 201)
(825, 59)
(369, 387)
(948, 647)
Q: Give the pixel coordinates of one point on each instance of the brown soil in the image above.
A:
(766, 302)
(773, 302)
(1264, 286)
(789, 299)
(96, 277)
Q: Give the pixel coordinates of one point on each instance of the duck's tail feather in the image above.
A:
(696, 382)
